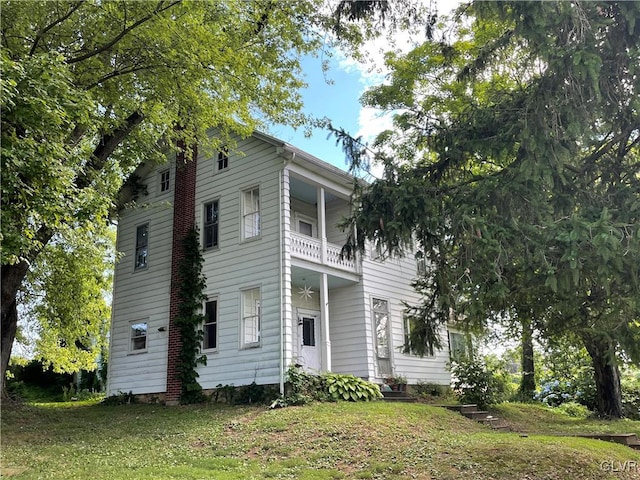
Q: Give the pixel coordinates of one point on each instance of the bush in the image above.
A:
(432, 391)
(574, 409)
(474, 382)
(350, 388)
(303, 388)
(556, 392)
(630, 383)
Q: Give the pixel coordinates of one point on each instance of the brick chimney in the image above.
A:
(184, 207)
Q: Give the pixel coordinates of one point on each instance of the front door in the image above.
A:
(309, 338)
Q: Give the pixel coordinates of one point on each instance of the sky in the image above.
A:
(336, 95)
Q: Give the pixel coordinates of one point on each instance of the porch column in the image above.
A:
(322, 225)
(324, 315)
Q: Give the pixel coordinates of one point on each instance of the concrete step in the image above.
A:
(478, 415)
(623, 438)
(461, 408)
(397, 397)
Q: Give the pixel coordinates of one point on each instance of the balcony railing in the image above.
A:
(312, 249)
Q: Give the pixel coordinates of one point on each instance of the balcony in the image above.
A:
(322, 253)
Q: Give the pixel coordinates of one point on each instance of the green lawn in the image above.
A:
(322, 441)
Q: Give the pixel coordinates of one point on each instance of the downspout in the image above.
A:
(281, 260)
(282, 342)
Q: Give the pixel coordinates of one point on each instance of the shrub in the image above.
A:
(350, 388)
(574, 409)
(303, 388)
(630, 384)
(475, 383)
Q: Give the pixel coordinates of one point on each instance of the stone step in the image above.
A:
(397, 397)
(461, 408)
(477, 415)
(630, 439)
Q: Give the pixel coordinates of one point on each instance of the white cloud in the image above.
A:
(374, 72)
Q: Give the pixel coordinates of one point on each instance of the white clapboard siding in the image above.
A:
(142, 295)
(236, 264)
(350, 339)
(390, 280)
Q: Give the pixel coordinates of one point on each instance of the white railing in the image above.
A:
(312, 249)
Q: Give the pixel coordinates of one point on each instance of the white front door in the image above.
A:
(309, 338)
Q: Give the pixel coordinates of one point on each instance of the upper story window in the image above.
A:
(211, 223)
(251, 213)
(223, 160)
(306, 225)
(210, 326)
(138, 336)
(142, 246)
(250, 318)
(165, 180)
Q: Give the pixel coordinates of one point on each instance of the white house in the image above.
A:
(278, 291)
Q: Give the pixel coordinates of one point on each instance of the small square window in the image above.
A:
(138, 332)
(142, 246)
(305, 228)
(223, 160)
(210, 326)
(165, 179)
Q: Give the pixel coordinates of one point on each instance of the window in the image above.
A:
(251, 213)
(305, 228)
(309, 331)
(165, 181)
(210, 230)
(381, 320)
(142, 246)
(223, 160)
(407, 335)
(457, 345)
(421, 265)
(138, 332)
(251, 317)
(210, 326)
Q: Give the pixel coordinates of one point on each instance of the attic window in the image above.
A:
(223, 160)
(165, 177)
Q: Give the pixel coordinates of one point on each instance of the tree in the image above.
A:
(91, 89)
(66, 299)
(513, 166)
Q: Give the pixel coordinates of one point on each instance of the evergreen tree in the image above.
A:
(514, 167)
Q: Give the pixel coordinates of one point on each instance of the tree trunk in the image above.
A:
(606, 375)
(527, 387)
(12, 277)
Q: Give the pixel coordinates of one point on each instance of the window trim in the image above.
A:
(223, 156)
(375, 333)
(161, 181)
(136, 351)
(211, 299)
(406, 331)
(243, 215)
(138, 247)
(465, 343)
(298, 217)
(204, 225)
(247, 345)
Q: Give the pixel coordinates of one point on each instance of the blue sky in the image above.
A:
(339, 100)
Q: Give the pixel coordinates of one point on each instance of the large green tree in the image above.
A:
(514, 166)
(92, 88)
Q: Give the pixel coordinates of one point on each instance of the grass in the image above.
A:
(322, 441)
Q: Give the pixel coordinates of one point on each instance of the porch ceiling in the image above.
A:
(301, 277)
(306, 192)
